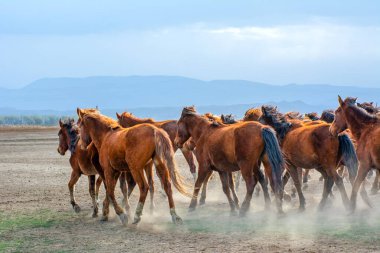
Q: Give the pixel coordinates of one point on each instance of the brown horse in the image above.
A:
(309, 147)
(126, 119)
(81, 162)
(129, 150)
(227, 148)
(365, 129)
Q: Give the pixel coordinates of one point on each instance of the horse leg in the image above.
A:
(339, 183)
(124, 191)
(131, 182)
(232, 188)
(285, 180)
(188, 154)
(277, 189)
(203, 171)
(250, 182)
(163, 172)
(375, 184)
(264, 185)
(226, 189)
(362, 173)
(91, 188)
(294, 174)
(149, 174)
(111, 177)
(237, 181)
(327, 185)
(75, 174)
(202, 200)
(140, 179)
(98, 184)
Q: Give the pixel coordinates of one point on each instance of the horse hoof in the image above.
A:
(76, 208)
(177, 220)
(191, 209)
(233, 213)
(301, 209)
(124, 219)
(287, 197)
(304, 187)
(202, 202)
(94, 215)
(136, 220)
(104, 218)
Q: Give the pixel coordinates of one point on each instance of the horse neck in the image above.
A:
(136, 121)
(196, 126)
(354, 123)
(97, 132)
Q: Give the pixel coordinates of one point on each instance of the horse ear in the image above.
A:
(340, 101)
(60, 123)
(355, 99)
(80, 112)
(118, 116)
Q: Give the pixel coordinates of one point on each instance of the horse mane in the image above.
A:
(228, 119)
(104, 119)
(328, 116)
(73, 131)
(188, 110)
(313, 116)
(250, 113)
(130, 115)
(276, 119)
(294, 115)
(369, 107)
(360, 113)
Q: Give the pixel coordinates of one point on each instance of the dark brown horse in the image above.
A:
(129, 150)
(365, 129)
(81, 162)
(312, 147)
(228, 148)
(127, 119)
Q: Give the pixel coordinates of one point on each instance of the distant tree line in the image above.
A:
(37, 120)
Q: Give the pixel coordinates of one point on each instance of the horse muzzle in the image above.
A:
(60, 151)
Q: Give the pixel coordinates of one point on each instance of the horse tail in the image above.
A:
(348, 154)
(164, 151)
(276, 160)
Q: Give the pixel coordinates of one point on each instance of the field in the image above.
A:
(36, 215)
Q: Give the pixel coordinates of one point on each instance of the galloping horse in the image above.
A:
(312, 147)
(126, 119)
(129, 150)
(227, 148)
(81, 162)
(365, 129)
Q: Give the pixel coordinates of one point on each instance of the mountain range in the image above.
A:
(164, 96)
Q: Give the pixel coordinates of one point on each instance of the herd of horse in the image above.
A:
(265, 147)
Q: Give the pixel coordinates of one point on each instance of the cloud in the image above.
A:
(318, 52)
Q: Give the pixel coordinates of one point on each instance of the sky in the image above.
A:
(270, 41)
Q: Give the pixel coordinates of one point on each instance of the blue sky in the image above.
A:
(279, 42)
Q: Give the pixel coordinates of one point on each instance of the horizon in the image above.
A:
(185, 77)
(275, 42)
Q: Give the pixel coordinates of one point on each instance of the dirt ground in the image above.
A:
(36, 215)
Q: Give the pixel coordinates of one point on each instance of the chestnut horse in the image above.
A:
(126, 119)
(129, 150)
(227, 148)
(309, 147)
(365, 129)
(81, 162)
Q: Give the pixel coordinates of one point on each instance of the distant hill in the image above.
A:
(61, 95)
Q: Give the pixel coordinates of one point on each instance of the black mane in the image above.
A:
(313, 116)
(328, 116)
(228, 119)
(276, 120)
(72, 130)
